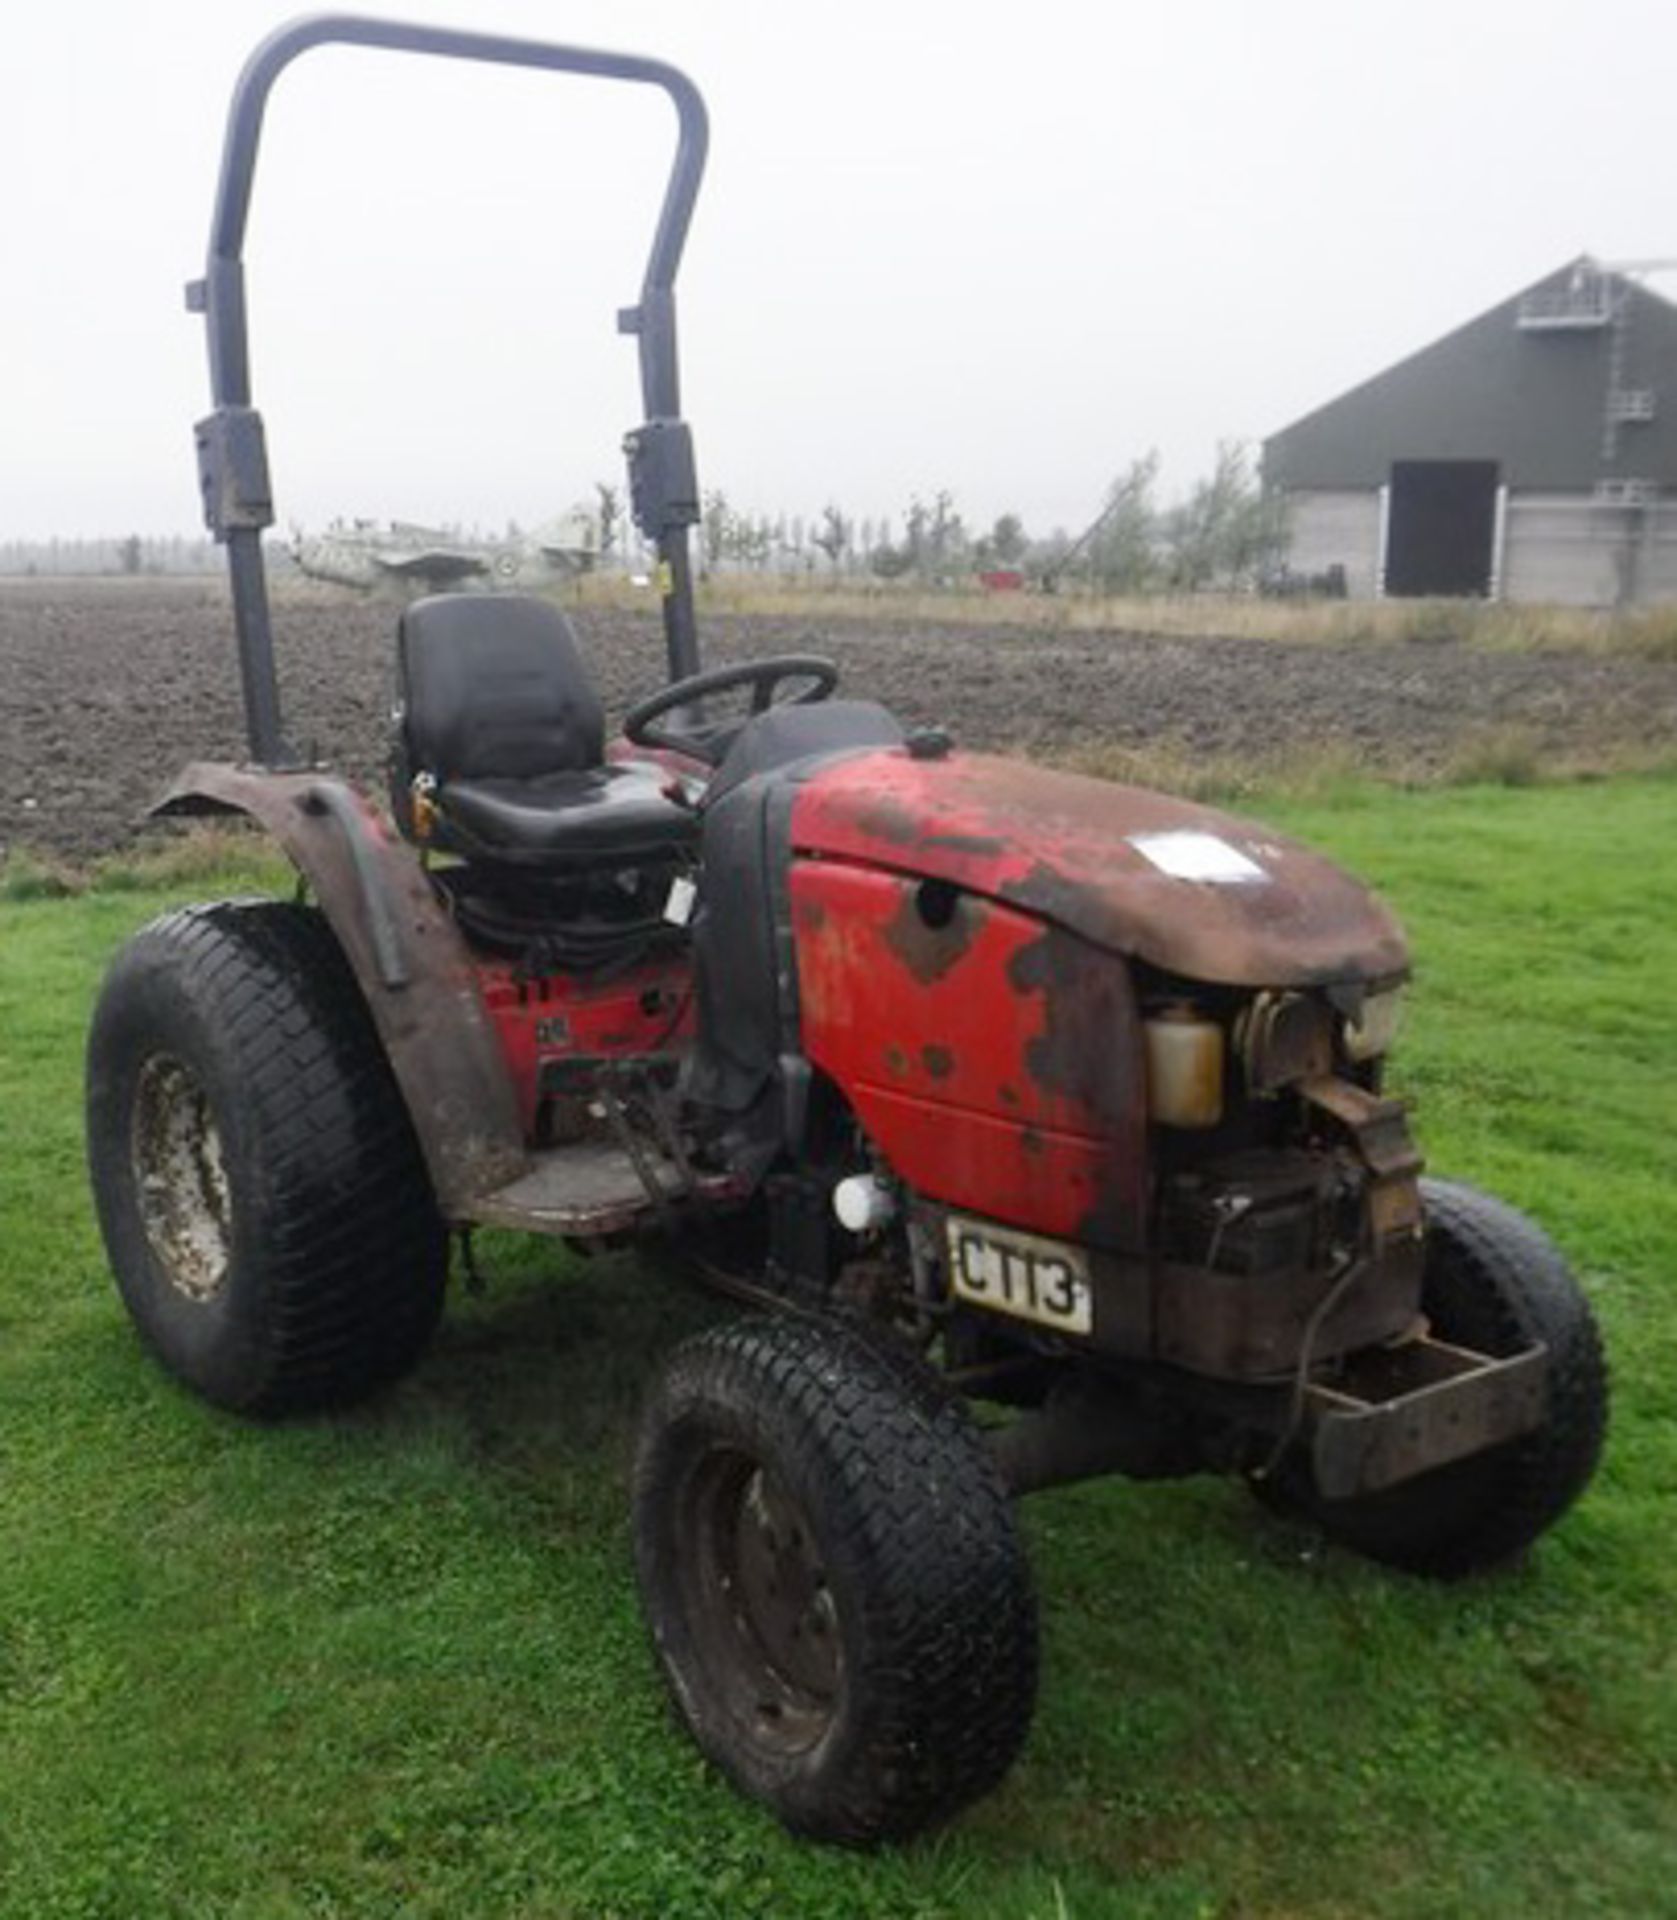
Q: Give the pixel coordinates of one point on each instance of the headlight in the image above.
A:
(1283, 1038)
(1184, 1068)
(1372, 1032)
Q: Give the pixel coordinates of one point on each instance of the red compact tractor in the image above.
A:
(978, 1082)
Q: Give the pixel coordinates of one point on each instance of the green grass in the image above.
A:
(389, 1664)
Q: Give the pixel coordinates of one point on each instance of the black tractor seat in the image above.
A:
(602, 815)
(499, 749)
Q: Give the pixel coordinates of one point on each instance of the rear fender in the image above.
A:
(413, 968)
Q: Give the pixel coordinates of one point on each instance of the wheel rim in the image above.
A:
(764, 1615)
(181, 1179)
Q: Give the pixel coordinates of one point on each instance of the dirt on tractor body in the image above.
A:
(107, 687)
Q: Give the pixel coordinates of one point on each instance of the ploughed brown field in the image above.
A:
(107, 687)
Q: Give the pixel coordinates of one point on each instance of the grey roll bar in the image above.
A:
(232, 455)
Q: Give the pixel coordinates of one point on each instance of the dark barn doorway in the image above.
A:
(1442, 527)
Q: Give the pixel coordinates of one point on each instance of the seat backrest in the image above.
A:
(492, 686)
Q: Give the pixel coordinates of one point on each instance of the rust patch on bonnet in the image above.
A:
(1087, 1051)
(1302, 928)
(890, 821)
(1095, 858)
(985, 845)
(930, 950)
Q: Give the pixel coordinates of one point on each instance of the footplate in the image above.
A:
(1404, 1410)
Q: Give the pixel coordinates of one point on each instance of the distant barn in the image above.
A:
(1529, 455)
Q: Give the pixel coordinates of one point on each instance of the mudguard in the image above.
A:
(408, 957)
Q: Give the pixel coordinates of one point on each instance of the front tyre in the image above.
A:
(1496, 1283)
(832, 1577)
(265, 1208)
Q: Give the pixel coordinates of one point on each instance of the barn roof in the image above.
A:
(1569, 382)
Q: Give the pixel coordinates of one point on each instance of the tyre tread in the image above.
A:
(1497, 1283)
(918, 1506)
(351, 1244)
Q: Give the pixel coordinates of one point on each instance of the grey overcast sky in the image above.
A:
(1002, 249)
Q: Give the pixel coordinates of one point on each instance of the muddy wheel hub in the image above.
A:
(768, 1613)
(179, 1175)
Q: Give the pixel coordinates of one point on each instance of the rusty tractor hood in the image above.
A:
(1182, 887)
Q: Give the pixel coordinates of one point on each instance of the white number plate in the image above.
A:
(1017, 1273)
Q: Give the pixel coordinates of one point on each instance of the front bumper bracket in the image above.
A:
(1402, 1411)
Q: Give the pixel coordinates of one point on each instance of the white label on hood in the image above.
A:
(1186, 854)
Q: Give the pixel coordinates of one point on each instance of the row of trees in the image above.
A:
(1226, 531)
(1223, 532)
(930, 542)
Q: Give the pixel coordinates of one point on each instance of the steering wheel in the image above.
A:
(709, 740)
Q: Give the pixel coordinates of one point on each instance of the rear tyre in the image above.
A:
(1496, 1283)
(265, 1208)
(832, 1577)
